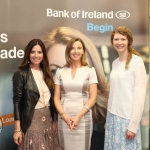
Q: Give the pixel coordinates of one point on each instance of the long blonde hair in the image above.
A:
(126, 32)
(62, 35)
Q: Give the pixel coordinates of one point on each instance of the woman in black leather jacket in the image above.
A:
(34, 110)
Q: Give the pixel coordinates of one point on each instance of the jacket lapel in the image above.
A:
(30, 82)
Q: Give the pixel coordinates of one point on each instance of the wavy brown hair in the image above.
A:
(47, 75)
(126, 32)
(69, 48)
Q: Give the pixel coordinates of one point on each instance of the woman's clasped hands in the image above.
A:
(71, 122)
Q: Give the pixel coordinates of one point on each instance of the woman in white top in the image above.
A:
(127, 94)
(75, 94)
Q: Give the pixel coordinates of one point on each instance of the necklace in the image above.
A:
(39, 76)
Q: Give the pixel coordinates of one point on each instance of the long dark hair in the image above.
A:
(47, 75)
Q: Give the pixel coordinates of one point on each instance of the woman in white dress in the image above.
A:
(127, 95)
(75, 94)
(56, 41)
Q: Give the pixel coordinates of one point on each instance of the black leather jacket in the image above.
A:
(26, 96)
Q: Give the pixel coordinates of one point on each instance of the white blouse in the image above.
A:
(43, 89)
(128, 90)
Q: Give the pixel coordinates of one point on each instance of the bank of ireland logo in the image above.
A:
(122, 14)
(1, 125)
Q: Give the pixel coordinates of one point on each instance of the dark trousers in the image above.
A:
(97, 141)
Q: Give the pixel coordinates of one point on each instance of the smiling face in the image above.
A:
(120, 43)
(36, 55)
(56, 57)
(76, 51)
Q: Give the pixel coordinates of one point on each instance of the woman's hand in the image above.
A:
(18, 137)
(66, 118)
(74, 122)
(55, 129)
(130, 135)
(105, 126)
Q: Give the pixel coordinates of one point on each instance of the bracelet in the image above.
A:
(87, 108)
(18, 131)
(62, 114)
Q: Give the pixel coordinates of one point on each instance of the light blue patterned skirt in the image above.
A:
(115, 134)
